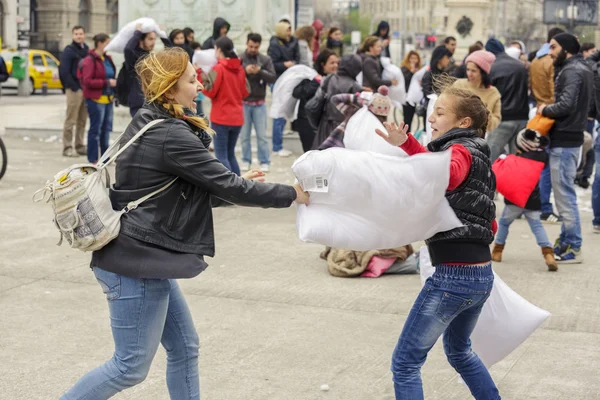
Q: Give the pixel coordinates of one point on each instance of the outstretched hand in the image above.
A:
(254, 175)
(302, 197)
(396, 135)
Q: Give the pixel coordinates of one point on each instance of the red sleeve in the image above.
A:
(460, 165)
(412, 146)
(494, 226)
(89, 69)
(460, 162)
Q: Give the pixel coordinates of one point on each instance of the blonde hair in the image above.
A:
(466, 103)
(158, 73)
(406, 61)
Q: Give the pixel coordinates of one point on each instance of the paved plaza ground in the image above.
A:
(273, 324)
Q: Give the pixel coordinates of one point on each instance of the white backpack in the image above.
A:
(83, 211)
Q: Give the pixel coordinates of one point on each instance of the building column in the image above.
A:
(9, 23)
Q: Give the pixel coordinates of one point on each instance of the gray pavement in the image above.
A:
(273, 324)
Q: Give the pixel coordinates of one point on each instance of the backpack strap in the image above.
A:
(132, 205)
(103, 163)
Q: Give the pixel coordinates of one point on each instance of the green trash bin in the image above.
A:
(19, 65)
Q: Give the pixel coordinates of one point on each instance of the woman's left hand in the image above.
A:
(254, 175)
(302, 197)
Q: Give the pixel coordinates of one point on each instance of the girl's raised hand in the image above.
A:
(396, 135)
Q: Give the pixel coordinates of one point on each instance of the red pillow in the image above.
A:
(517, 177)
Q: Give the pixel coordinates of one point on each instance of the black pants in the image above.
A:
(409, 114)
(306, 132)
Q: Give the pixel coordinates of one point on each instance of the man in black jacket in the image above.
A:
(260, 73)
(220, 28)
(76, 110)
(572, 92)
(139, 46)
(510, 77)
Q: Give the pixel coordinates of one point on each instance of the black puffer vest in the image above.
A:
(473, 203)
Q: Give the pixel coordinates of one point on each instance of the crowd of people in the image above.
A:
(556, 82)
(481, 110)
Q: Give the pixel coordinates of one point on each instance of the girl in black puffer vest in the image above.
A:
(452, 299)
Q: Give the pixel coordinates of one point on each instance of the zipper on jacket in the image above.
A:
(177, 210)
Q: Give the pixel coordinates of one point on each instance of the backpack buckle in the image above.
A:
(131, 206)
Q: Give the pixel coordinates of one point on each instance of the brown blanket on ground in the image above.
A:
(348, 263)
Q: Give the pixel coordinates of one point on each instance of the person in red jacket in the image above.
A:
(226, 85)
(98, 81)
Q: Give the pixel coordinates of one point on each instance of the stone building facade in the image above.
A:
(49, 22)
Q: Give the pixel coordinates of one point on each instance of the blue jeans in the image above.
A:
(101, 124)
(545, 190)
(143, 314)
(596, 185)
(256, 115)
(449, 304)
(225, 139)
(278, 126)
(563, 169)
(512, 212)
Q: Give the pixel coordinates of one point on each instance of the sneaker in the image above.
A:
(68, 152)
(597, 229)
(584, 183)
(264, 168)
(570, 257)
(245, 166)
(82, 151)
(551, 218)
(559, 248)
(283, 153)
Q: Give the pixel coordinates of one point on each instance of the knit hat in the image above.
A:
(381, 103)
(494, 46)
(568, 42)
(483, 59)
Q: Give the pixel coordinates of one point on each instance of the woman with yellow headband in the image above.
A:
(166, 237)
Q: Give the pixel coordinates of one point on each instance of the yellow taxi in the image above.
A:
(43, 67)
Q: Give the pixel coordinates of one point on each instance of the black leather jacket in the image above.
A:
(573, 89)
(180, 218)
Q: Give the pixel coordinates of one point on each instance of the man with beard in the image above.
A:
(541, 80)
(572, 95)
